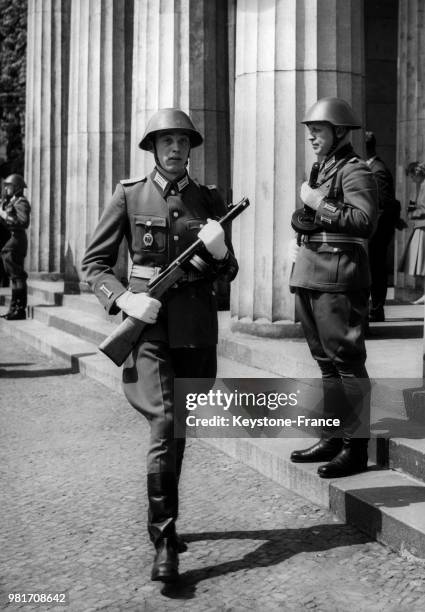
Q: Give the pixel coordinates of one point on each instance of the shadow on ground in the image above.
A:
(277, 545)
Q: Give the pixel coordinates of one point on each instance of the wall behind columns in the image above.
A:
(180, 59)
(45, 131)
(99, 117)
(288, 54)
(410, 121)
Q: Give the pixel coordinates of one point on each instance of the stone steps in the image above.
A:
(388, 504)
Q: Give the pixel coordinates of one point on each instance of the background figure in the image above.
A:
(15, 218)
(388, 219)
(413, 259)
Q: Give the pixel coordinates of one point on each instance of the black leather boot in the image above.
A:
(352, 459)
(162, 515)
(18, 304)
(166, 562)
(324, 450)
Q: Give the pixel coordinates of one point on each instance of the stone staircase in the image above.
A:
(387, 502)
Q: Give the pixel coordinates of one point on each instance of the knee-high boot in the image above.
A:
(162, 515)
(18, 304)
(330, 443)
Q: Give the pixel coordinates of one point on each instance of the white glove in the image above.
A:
(311, 197)
(3, 213)
(139, 306)
(293, 249)
(212, 235)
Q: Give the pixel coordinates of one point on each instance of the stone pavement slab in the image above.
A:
(72, 457)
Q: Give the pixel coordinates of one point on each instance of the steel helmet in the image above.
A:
(170, 119)
(16, 180)
(335, 111)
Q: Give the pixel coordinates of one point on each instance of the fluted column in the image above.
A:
(99, 117)
(45, 130)
(410, 121)
(180, 59)
(288, 54)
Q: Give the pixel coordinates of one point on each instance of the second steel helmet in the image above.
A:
(333, 110)
(16, 180)
(170, 119)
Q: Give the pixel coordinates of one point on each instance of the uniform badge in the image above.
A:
(148, 239)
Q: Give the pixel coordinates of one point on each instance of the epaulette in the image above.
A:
(131, 181)
(211, 186)
(353, 160)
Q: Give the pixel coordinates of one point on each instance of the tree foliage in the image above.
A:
(13, 40)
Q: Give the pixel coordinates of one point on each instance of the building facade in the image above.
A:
(246, 71)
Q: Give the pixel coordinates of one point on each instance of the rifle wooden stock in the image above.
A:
(118, 345)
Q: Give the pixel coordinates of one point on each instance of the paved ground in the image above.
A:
(73, 516)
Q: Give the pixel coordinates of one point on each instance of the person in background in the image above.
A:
(388, 221)
(15, 218)
(413, 258)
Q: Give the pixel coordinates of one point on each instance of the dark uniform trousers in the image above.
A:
(331, 280)
(160, 220)
(333, 324)
(149, 387)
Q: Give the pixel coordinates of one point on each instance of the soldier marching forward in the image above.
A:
(15, 218)
(331, 280)
(161, 215)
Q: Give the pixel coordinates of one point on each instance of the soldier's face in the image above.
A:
(172, 149)
(9, 189)
(321, 136)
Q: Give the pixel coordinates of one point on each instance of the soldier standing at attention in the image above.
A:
(15, 218)
(161, 215)
(331, 280)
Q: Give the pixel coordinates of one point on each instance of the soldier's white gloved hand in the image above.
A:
(139, 305)
(293, 249)
(3, 213)
(311, 197)
(212, 235)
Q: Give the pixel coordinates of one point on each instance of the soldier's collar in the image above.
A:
(328, 163)
(166, 186)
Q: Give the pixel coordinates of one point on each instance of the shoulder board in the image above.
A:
(353, 160)
(211, 186)
(131, 181)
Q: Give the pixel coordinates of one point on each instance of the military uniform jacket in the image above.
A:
(159, 220)
(16, 222)
(325, 262)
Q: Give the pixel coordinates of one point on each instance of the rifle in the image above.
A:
(124, 338)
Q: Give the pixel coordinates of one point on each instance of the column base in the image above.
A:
(265, 329)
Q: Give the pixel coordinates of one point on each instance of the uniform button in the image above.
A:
(176, 237)
(175, 214)
(335, 249)
(173, 192)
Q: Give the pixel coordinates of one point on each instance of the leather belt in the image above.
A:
(322, 237)
(148, 272)
(144, 271)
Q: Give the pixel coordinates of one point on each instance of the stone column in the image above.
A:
(45, 131)
(410, 122)
(99, 118)
(288, 54)
(180, 57)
